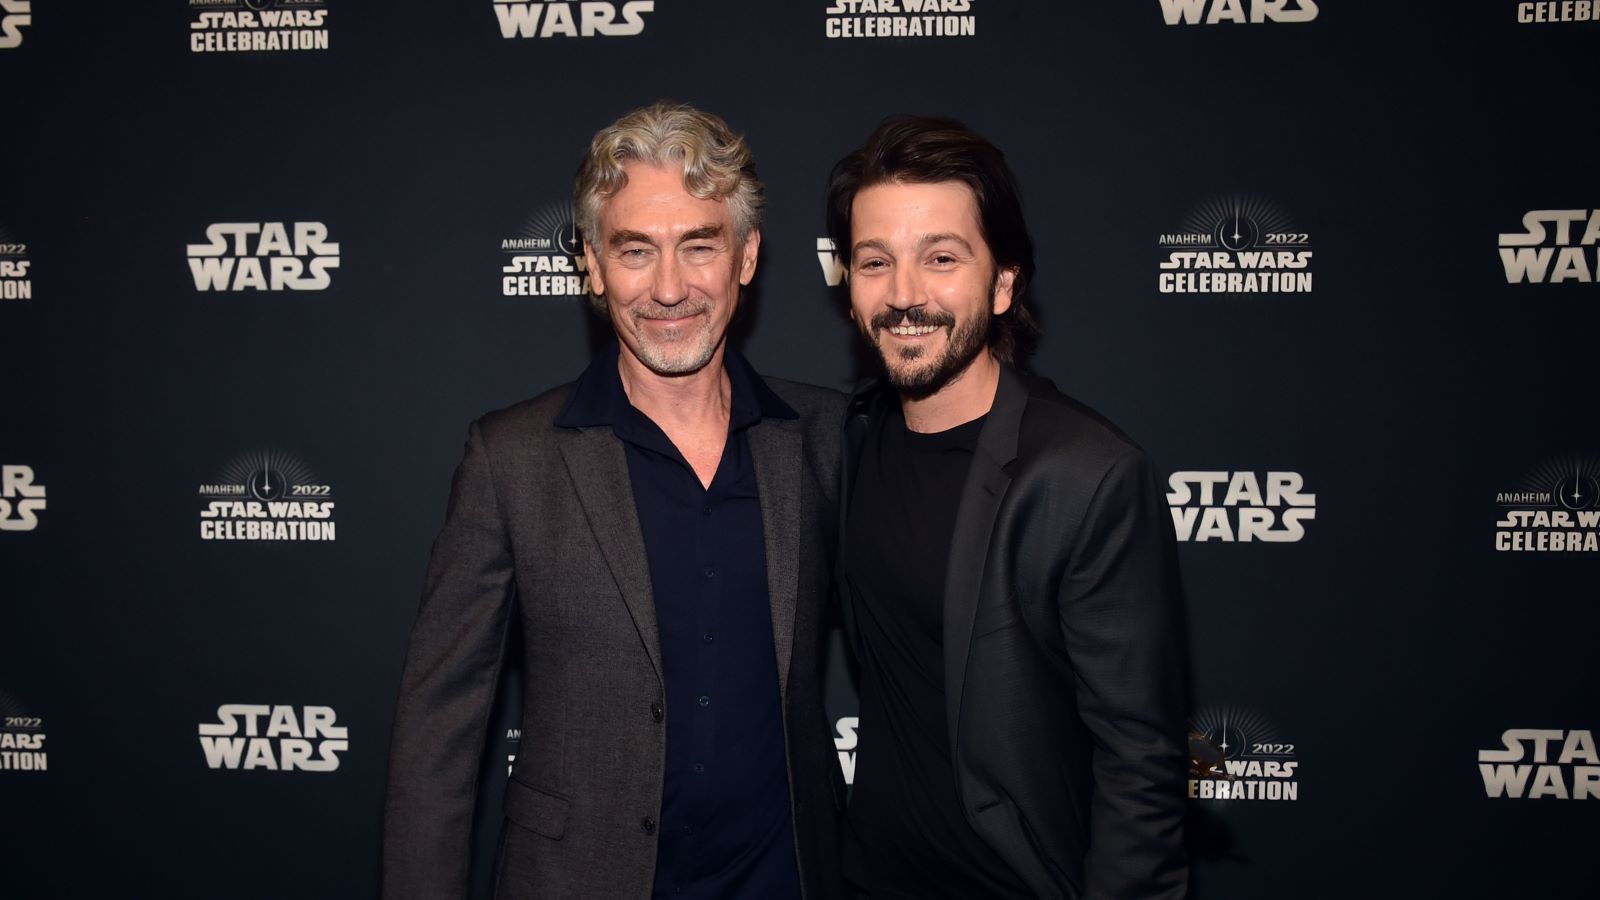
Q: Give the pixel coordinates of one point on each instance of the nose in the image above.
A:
(907, 291)
(667, 287)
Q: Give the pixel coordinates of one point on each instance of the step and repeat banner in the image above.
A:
(1332, 263)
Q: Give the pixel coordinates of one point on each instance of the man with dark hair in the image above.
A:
(659, 532)
(1007, 565)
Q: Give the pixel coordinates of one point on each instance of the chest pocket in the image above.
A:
(538, 811)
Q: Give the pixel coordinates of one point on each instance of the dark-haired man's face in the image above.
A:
(923, 285)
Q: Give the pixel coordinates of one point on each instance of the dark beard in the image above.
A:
(967, 340)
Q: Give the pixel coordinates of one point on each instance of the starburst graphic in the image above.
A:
(267, 473)
(553, 223)
(1573, 481)
(1237, 221)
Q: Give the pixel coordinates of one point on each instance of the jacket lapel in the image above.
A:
(969, 544)
(599, 469)
(776, 448)
(863, 402)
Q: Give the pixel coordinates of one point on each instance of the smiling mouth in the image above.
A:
(913, 330)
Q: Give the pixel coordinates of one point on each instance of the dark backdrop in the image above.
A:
(1416, 392)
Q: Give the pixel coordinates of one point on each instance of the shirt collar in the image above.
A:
(598, 398)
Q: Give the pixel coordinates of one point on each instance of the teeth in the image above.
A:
(910, 330)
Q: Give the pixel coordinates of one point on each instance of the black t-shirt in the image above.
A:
(906, 835)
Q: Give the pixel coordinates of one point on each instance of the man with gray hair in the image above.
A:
(659, 533)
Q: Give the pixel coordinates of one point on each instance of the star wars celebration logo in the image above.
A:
(832, 266)
(1240, 506)
(15, 281)
(1236, 754)
(266, 497)
(1556, 509)
(1555, 245)
(563, 18)
(1541, 763)
(1238, 12)
(899, 19)
(274, 738)
(1558, 11)
(21, 499)
(264, 256)
(844, 742)
(22, 738)
(545, 258)
(1236, 245)
(13, 15)
(257, 26)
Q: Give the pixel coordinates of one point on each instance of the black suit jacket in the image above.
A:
(542, 535)
(1064, 668)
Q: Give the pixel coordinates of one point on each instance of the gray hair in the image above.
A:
(717, 163)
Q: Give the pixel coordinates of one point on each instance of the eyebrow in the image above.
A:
(698, 233)
(927, 240)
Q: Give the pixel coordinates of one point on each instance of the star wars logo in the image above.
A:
(287, 741)
(833, 267)
(22, 739)
(1555, 245)
(1239, 506)
(845, 743)
(1513, 774)
(1236, 245)
(900, 19)
(1557, 509)
(256, 26)
(267, 497)
(16, 13)
(264, 256)
(545, 259)
(561, 18)
(1561, 11)
(15, 281)
(1237, 754)
(1239, 12)
(20, 499)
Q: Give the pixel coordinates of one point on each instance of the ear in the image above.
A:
(591, 262)
(1002, 290)
(747, 261)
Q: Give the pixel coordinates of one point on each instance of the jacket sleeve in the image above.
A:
(1123, 626)
(447, 692)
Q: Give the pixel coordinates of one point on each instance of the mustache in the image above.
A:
(915, 316)
(680, 310)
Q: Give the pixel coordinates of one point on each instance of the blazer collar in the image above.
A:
(598, 466)
(985, 487)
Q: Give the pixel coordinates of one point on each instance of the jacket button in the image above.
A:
(647, 825)
(655, 711)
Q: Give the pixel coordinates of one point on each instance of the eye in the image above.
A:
(943, 259)
(870, 264)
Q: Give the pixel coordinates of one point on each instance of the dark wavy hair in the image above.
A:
(922, 150)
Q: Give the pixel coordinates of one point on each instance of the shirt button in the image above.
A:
(655, 711)
(647, 825)
(711, 572)
(704, 700)
(699, 768)
(706, 638)
(707, 509)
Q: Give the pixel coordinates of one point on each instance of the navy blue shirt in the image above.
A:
(725, 828)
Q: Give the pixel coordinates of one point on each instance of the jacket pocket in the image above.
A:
(541, 812)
